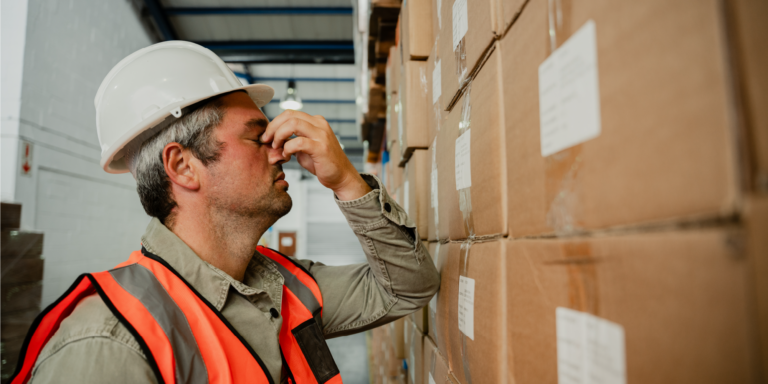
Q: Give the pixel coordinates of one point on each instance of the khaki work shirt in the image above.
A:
(92, 346)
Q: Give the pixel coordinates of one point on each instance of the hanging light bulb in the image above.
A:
(291, 99)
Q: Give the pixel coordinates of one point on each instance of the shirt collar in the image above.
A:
(211, 282)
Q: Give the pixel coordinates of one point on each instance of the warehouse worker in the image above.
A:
(196, 304)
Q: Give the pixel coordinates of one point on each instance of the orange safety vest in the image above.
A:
(184, 337)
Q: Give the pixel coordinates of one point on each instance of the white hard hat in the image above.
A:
(151, 87)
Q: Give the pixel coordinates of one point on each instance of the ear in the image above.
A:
(181, 166)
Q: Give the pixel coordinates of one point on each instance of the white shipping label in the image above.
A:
(431, 379)
(569, 96)
(439, 18)
(467, 306)
(436, 85)
(463, 169)
(590, 350)
(460, 21)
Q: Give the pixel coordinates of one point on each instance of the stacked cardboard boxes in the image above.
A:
(594, 191)
(22, 275)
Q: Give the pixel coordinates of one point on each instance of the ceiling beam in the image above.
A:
(160, 18)
(321, 101)
(284, 51)
(313, 11)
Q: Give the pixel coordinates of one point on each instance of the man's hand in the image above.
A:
(318, 150)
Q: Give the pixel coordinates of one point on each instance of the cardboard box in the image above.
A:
(435, 113)
(420, 318)
(748, 39)
(393, 110)
(485, 213)
(476, 351)
(393, 70)
(680, 298)
(435, 367)
(416, 189)
(414, 352)
(756, 225)
(438, 307)
(396, 334)
(433, 212)
(413, 127)
(416, 34)
(507, 12)
(479, 37)
(666, 150)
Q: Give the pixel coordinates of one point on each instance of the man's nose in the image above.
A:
(275, 156)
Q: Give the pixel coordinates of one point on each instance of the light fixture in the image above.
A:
(291, 100)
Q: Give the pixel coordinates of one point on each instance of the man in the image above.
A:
(208, 169)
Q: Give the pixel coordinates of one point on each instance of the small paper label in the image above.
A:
(431, 379)
(406, 202)
(436, 85)
(569, 96)
(439, 16)
(463, 169)
(467, 306)
(460, 22)
(590, 350)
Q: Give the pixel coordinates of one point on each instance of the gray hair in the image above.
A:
(194, 131)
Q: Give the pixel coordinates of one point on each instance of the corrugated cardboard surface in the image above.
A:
(507, 11)
(414, 132)
(392, 72)
(487, 160)
(414, 353)
(749, 39)
(392, 123)
(417, 173)
(756, 219)
(435, 365)
(397, 329)
(666, 150)
(435, 114)
(438, 314)
(416, 35)
(432, 211)
(482, 359)
(479, 37)
(680, 297)
(420, 318)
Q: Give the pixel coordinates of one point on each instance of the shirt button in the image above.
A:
(274, 313)
(387, 207)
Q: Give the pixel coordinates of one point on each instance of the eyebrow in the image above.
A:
(257, 123)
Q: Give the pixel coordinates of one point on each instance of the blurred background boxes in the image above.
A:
(416, 29)
(416, 202)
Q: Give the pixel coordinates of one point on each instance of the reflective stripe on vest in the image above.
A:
(184, 337)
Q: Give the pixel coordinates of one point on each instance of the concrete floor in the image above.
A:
(351, 356)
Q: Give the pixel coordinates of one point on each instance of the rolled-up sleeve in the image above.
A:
(398, 279)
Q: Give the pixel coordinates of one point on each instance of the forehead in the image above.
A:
(240, 112)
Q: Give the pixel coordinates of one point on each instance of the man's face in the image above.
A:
(247, 179)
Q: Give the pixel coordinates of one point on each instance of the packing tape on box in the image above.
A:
(554, 21)
(432, 367)
(466, 307)
(462, 165)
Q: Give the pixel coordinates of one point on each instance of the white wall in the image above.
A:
(92, 220)
(13, 29)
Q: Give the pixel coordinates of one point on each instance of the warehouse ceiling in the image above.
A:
(272, 42)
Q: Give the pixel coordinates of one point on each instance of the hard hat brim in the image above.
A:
(114, 162)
